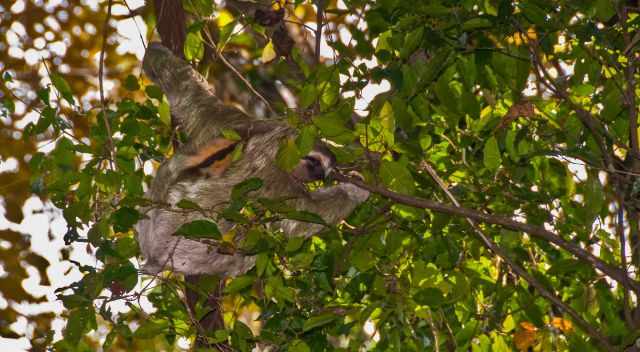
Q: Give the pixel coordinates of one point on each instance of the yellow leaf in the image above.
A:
(224, 18)
(518, 39)
(278, 4)
(299, 11)
(268, 53)
(229, 235)
(562, 324)
(508, 324)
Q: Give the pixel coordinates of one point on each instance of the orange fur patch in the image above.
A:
(218, 167)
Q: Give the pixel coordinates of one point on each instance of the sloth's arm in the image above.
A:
(334, 203)
(200, 113)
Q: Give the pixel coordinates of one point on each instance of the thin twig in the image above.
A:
(101, 83)
(520, 271)
(134, 13)
(138, 11)
(224, 60)
(630, 93)
(434, 331)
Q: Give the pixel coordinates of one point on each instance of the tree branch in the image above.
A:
(319, 26)
(613, 272)
(520, 271)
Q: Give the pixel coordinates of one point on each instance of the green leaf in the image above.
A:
(476, 23)
(230, 134)
(164, 111)
(318, 320)
(44, 95)
(333, 126)
(63, 87)
(8, 107)
(6, 76)
(491, 153)
(387, 120)
(276, 206)
(510, 145)
(187, 204)
(125, 275)
(397, 177)
(151, 328)
(80, 321)
(288, 155)
(199, 229)
(202, 8)
(131, 83)
(154, 92)
(219, 336)
(75, 301)
(124, 218)
(435, 66)
(238, 284)
(363, 260)
(467, 333)
(430, 296)
(294, 244)
(298, 345)
(604, 9)
(305, 216)
(126, 247)
(300, 60)
(411, 42)
(242, 330)
(306, 139)
(534, 13)
(425, 140)
(594, 197)
(243, 188)
(330, 92)
(262, 261)
(193, 46)
(446, 95)
(308, 95)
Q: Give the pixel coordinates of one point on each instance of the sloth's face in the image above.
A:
(316, 166)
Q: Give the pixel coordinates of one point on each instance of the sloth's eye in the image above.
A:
(312, 161)
(314, 167)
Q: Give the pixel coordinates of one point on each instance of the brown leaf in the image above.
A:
(523, 108)
(525, 337)
(116, 288)
(562, 324)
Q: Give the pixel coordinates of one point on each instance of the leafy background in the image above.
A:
(524, 111)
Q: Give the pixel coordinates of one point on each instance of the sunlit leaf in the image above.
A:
(318, 320)
(491, 152)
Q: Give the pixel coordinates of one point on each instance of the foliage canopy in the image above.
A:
(503, 158)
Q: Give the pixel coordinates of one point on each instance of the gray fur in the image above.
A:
(202, 116)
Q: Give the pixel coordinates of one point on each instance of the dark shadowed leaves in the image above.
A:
(199, 229)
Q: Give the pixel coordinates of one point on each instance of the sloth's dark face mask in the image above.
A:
(317, 165)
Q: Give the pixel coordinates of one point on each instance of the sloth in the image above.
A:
(203, 171)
